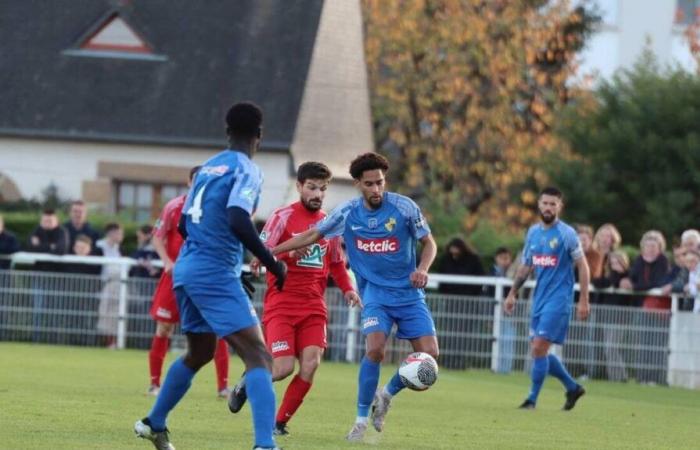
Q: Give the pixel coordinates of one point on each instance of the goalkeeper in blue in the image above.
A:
(380, 230)
(552, 249)
(216, 223)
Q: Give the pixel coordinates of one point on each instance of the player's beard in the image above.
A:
(375, 202)
(547, 218)
(312, 204)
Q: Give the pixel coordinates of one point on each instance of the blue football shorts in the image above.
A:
(551, 326)
(222, 308)
(413, 320)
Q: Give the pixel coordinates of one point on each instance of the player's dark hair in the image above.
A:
(193, 172)
(551, 190)
(244, 121)
(111, 227)
(313, 170)
(368, 161)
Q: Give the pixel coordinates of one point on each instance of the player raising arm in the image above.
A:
(380, 230)
(552, 248)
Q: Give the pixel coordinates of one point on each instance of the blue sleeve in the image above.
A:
(334, 224)
(572, 244)
(409, 209)
(245, 190)
(526, 259)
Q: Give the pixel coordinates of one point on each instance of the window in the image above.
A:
(687, 11)
(143, 202)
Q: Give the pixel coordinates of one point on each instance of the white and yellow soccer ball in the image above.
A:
(418, 371)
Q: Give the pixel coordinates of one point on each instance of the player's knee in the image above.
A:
(375, 354)
(196, 361)
(164, 329)
(309, 366)
(280, 371)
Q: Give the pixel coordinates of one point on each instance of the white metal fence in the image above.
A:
(616, 343)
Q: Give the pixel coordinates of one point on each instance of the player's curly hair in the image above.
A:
(313, 170)
(368, 161)
(244, 121)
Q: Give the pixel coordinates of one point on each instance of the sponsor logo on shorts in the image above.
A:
(545, 260)
(279, 346)
(164, 313)
(370, 322)
(387, 245)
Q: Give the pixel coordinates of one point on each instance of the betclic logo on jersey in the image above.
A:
(545, 260)
(380, 245)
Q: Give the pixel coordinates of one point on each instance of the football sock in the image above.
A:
(177, 382)
(557, 369)
(293, 397)
(394, 385)
(258, 383)
(540, 368)
(221, 357)
(156, 357)
(367, 385)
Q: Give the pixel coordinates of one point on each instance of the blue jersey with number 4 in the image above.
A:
(552, 251)
(211, 250)
(381, 245)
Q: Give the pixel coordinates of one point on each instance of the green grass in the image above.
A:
(75, 398)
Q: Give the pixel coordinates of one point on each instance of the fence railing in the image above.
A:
(616, 342)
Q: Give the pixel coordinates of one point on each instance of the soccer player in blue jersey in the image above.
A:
(552, 248)
(207, 279)
(380, 230)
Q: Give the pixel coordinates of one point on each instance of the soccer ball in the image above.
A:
(418, 371)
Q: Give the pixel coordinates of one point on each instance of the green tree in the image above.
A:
(636, 152)
(465, 94)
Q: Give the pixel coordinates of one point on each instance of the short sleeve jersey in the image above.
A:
(229, 179)
(307, 277)
(552, 252)
(166, 226)
(381, 243)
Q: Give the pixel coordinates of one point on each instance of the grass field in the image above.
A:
(55, 397)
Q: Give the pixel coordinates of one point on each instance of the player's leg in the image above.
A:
(415, 323)
(310, 337)
(558, 324)
(539, 348)
(221, 360)
(258, 381)
(156, 356)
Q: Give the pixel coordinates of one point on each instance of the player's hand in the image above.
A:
(247, 285)
(419, 278)
(352, 299)
(168, 265)
(583, 310)
(279, 270)
(300, 253)
(255, 267)
(509, 304)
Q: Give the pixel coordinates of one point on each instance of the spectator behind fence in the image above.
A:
(78, 224)
(688, 280)
(460, 259)
(650, 270)
(613, 333)
(83, 247)
(607, 238)
(8, 244)
(108, 321)
(594, 258)
(49, 237)
(690, 239)
(506, 339)
(144, 254)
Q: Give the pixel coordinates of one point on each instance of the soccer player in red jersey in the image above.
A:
(295, 319)
(167, 242)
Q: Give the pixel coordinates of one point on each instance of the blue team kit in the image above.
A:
(381, 249)
(207, 274)
(552, 252)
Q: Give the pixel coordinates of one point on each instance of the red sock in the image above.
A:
(293, 396)
(221, 361)
(159, 347)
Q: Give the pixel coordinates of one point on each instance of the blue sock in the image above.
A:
(395, 384)
(176, 384)
(367, 386)
(557, 369)
(258, 385)
(539, 372)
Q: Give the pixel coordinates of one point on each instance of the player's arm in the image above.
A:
(304, 239)
(159, 247)
(243, 228)
(340, 274)
(419, 278)
(521, 276)
(584, 276)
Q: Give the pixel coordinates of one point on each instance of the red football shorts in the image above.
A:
(289, 335)
(164, 307)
